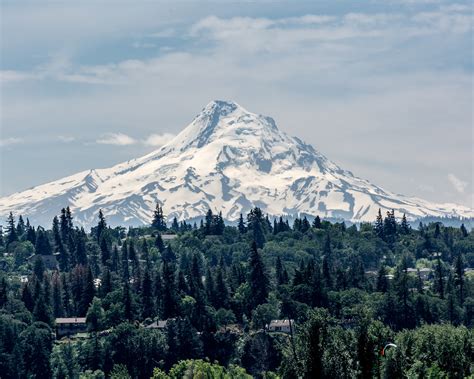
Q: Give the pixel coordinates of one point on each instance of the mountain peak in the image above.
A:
(227, 159)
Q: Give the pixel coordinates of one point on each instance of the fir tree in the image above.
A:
(42, 246)
(159, 243)
(158, 221)
(404, 226)
(258, 280)
(12, 235)
(147, 295)
(317, 222)
(101, 226)
(169, 293)
(104, 251)
(382, 281)
(379, 226)
(328, 263)
(88, 292)
(459, 277)
(241, 226)
(20, 227)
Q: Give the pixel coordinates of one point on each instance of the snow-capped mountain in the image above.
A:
(229, 160)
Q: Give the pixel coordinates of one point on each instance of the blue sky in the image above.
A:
(383, 88)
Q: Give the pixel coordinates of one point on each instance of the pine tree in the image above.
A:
(31, 234)
(242, 228)
(64, 225)
(169, 293)
(125, 266)
(12, 235)
(101, 226)
(147, 295)
(464, 232)
(317, 222)
(208, 228)
(459, 276)
(439, 277)
(27, 297)
(114, 266)
(258, 280)
(88, 292)
(222, 297)
(158, 221)
(42, 246)
(280, 272)
(255, 223)
(80, 245)
(104, 251)
(328, 263)
(42, 310)
(379, 226)
(57, 296)
(382, 281)
(404, 226)
(127, 302)
(20, 227)
(106, 283)
(159, 243)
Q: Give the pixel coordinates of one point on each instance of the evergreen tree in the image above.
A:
(169, 293)
(42, 310)
(258, 280)
(114, 266)
(280, 272)
(404, 226)
(104, 251)
(57, 296)
(80, 246)
(379, 226)
(459, 277)
(255, 223)
(125, 266)
(101, 226)
(241, 226)
(20, 227)
(88, 292)
(328, 263)
(439, 277)
(159, 243)
(42, 246)
(12, 235)
(382, 281)
(31, 234)
(222, 297)
(147, 295)
(317, 222)
(158, 221)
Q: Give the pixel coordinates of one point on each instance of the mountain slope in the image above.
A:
(227, 159)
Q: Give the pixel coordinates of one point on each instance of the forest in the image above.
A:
(198, 300)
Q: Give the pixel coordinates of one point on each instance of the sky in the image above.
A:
(382, 88)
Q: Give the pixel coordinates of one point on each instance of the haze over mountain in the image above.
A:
(228, 159)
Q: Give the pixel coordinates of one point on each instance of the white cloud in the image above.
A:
(10, 141)
(458, 184)
(7, 76)
(66, 139)
(118, 139)
(158, 139)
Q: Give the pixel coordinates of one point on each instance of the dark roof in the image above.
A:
(71, 320)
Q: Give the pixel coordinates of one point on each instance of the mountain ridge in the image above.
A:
(227, 159)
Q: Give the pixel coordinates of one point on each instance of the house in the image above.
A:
(424, 272)
(168, 237)
(283, 326)
(50, 261)
(160, 325)
(66, 326)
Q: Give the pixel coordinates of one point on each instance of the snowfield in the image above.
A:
(227, 159)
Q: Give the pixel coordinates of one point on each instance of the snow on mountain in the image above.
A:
(227, 159)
